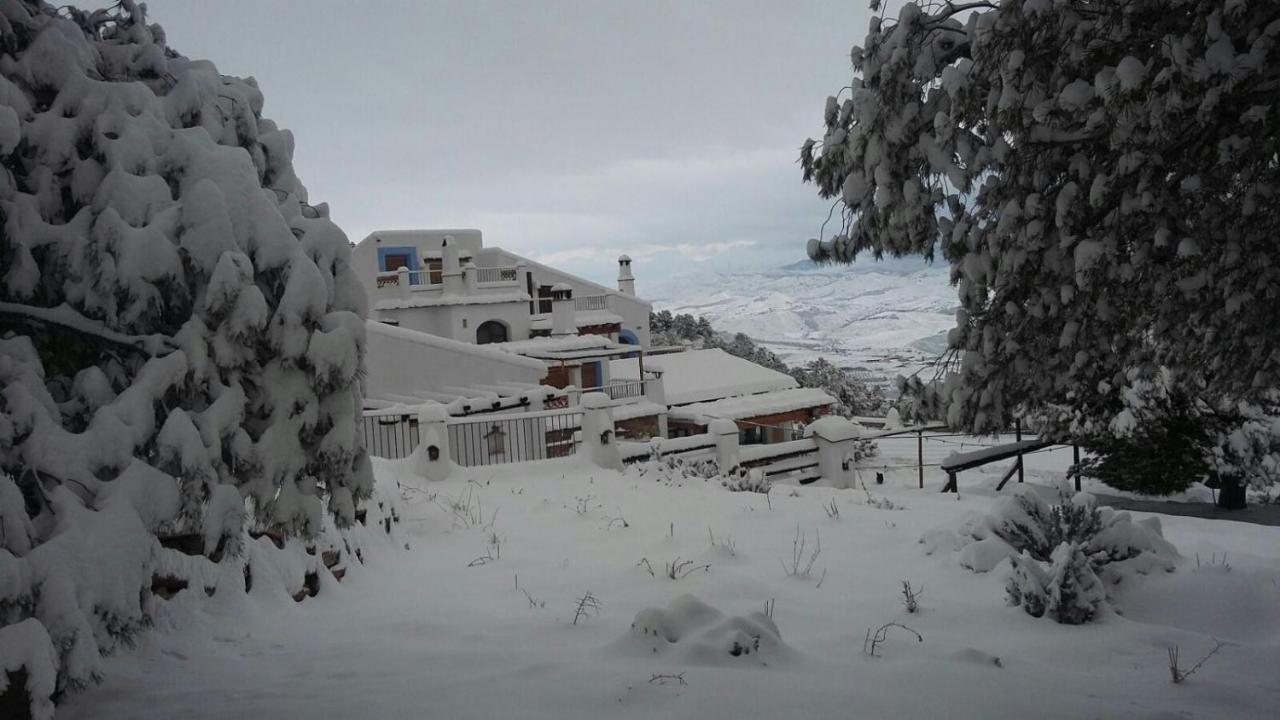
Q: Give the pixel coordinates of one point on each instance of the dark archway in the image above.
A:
(491, 331)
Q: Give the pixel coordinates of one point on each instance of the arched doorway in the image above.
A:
(491, 331)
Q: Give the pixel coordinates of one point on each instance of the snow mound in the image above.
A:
(703, 635)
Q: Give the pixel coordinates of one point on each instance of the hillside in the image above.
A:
(881, 318)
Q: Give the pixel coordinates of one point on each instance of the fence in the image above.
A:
(796, 459)
(390, 435)
(479, 440)
(497, 275)
(620, 389)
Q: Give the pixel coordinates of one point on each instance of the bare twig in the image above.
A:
(911, 597)
(587, 605)
(1177, 674)
(664, 679)
(679, 569)
(872, 641)
(800, 567)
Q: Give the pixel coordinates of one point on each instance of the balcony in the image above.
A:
(482, 280)
(588, 303)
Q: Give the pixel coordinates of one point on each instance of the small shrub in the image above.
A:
(741, 480)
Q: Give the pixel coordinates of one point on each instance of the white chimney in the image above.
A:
(563, 322)
(626, 283)
(452, 271)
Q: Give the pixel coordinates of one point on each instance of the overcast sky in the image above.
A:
(568, 131)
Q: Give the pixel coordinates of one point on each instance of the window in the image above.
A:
(491, 331)
(397, 261)
(435, 270)
(544, 298)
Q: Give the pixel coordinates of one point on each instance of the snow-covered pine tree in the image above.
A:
(181, 338)
(1102, 178)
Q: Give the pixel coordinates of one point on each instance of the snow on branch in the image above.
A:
(65, 316)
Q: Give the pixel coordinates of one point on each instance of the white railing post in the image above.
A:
(431, 459)
(402, 277)
(597, 431)
(835, 438)
(725, 433)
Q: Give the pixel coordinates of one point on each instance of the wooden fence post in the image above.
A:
(1017, 430)
(920, 455)
(1075, 458)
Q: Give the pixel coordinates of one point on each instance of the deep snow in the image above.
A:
(421, 634)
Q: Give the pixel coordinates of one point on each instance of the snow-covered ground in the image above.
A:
(436, 632)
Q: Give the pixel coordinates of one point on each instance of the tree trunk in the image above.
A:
(1231, 494)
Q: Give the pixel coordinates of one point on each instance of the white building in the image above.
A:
(447, 283)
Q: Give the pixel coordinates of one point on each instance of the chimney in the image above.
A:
(563, 322)
(452, 271)
(626, 283)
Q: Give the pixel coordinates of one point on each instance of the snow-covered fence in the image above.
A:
(390, 434)
(795, 460)
(826, 452)
(514, 437)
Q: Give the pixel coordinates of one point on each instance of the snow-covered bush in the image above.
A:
(181, 343)
(1069, 591)
(1050, 548)
(1101, 179)
(743, 480)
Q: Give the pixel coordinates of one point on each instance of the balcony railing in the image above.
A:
(491, 275)
(587, 303)
(619, 389)
(415, 277)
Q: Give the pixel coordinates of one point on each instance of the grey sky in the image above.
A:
(569, 131)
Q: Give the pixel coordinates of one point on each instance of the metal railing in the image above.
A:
(623, 389)
(591, 302)
(514, 438)
(389, 435)
(487, 275)
(415, 277)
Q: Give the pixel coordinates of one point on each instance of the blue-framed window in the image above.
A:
(391, 259)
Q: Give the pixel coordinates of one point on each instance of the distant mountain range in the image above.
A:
(880, 319)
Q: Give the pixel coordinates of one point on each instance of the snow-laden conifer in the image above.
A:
(181, 340)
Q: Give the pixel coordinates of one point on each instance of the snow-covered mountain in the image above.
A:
(882, 319)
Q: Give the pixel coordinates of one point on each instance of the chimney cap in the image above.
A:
(561, 291)
(624, 259)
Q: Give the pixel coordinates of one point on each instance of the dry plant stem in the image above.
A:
(1177, 674)
(872, 641)
(587, 605)
(664, 679)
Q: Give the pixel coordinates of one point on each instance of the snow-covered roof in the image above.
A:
(581, 319)
(644, 408)
(549, 344)
(489, 352)
(749, 406)
(437, 300)
(703, 375)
